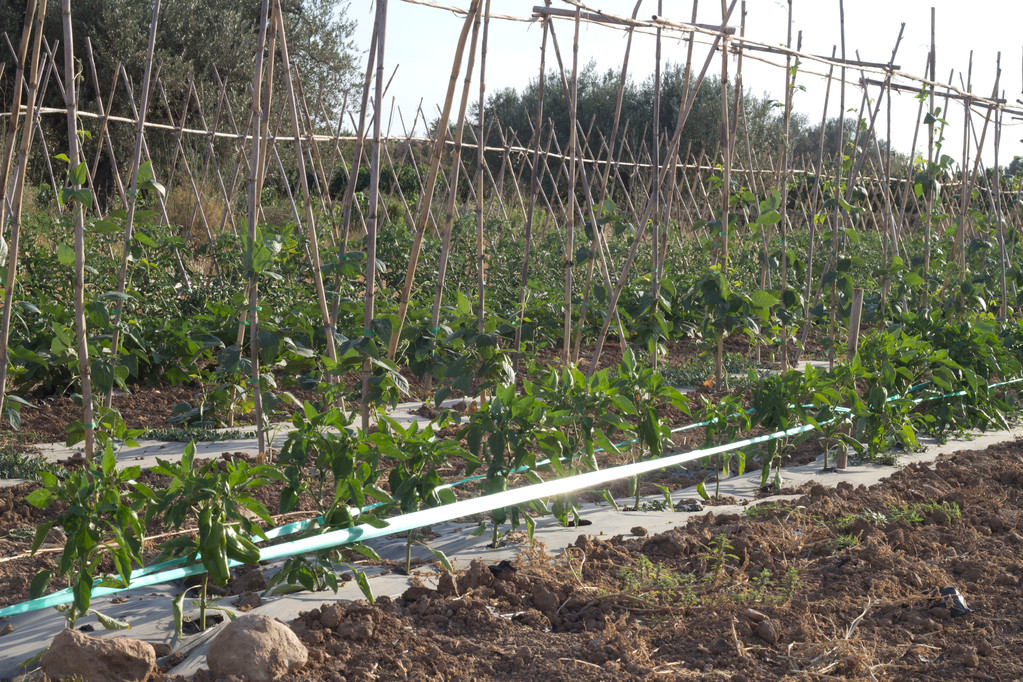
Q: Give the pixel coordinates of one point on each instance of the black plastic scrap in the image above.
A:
(951, 599)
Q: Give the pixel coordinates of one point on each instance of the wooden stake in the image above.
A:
(17, 200)
(78, 210)
(374, 191)
(259, 117)
(431, 180)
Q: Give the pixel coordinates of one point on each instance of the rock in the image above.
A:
(98, 659)
(161, 649)
(767, 631)
(446, 586)
(6, 630)
(638, 531)
(985, 648)
(257, 649)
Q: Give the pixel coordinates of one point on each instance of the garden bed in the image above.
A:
(837, 583)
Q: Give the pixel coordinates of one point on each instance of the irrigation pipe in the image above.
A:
(443, 514)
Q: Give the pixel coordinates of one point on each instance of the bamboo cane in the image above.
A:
(129, 220)
(259, 115)
(33, 25)
(672, 149)
(431, 179)
(74, 156)
(480, 162)
(310, 220)
(374, 188)
(449, 214)
(21, 57)
(534, 191)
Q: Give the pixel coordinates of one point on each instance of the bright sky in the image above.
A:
(421, 42)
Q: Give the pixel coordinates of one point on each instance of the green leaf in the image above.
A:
(144, 239)
(769, 218)
(178, 606)
(40, 497)
(441, 557)
(762, 299)
(108, 460)
(109, 622)
(105, 227)
(33, 659)
(79, 175)
(912, 279)
(609, 498)
(701, 490)
(13, 417)
(39, 584)
(103, 375)
(66, 255)
(363, 582)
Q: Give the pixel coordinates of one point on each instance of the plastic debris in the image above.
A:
(951, 599)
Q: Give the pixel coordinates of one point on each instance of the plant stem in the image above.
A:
(202, 602)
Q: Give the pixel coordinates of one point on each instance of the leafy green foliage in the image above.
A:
(100, 521)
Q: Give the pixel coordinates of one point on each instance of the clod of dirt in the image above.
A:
(544, 599)
(6, 629)
(767, 631)
(478, 575)
(330, 615)
(755, 616)
(638, 531)
(446, 585)
(356, 631)
(251, 580)
(98, 659)
(248, 601)
(55, 537)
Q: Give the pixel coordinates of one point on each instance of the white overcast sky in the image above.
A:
(421, 41)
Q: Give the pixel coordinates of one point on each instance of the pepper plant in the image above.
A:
(217, 496)
(102, 519)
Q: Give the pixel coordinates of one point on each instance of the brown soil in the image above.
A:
(144, 408)
(815, 589)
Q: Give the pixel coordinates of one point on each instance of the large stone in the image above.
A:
(256, 648)
(77, 655)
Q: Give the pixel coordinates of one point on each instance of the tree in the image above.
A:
(197, 39)
(1016, 167)
(598, 93)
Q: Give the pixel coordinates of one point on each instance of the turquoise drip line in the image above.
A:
(435, 515)
(299, 526)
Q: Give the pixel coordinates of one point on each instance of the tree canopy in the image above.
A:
(760, 121)
(198, 38)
